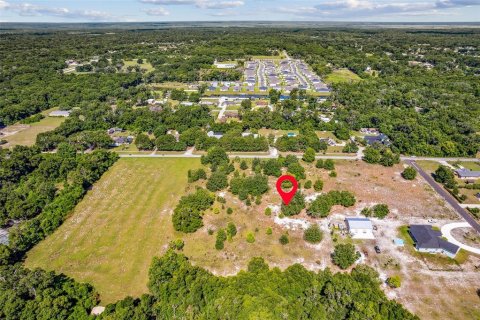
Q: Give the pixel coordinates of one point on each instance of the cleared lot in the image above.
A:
(125, 220)
(26, 134)
(120, 225)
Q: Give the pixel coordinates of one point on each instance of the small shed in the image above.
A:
(98, 310)
(360, 228)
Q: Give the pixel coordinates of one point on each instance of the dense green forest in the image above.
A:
(38, 191)
(180, 290)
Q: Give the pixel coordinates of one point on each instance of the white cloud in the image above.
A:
(3, 4)
(344, 9)
(157, 12)
(219, 4)
(227, 13)
(169, 2)
(203, 4)
(27, 9)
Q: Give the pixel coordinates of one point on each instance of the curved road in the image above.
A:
(446, 232)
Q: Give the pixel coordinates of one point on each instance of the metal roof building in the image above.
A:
(360, 228)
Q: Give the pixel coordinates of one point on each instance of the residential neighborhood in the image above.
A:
(262, 75)
(195, 159)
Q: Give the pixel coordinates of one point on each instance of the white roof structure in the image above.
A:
(213, 134)
(98, 310)
(360, 228)
(59, 113)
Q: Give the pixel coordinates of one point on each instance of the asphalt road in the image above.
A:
(358, 156)
(447, 196)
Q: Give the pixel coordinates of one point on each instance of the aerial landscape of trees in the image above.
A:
(424, 111)
(179, 289)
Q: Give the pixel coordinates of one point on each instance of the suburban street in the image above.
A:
(273, 153)
(447, 196)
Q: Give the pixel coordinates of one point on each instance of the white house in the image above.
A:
(225, 65)
(213, 134)
(59, 113)
(360, 228)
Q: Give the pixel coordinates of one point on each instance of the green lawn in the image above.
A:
(112, 235)
(337, 149)
(281, 56)
(437, 259)
(145, 65)
(278, 133)
(342, 75)
(429, 166)
(27, 134)
(467, 164)
(325, 134)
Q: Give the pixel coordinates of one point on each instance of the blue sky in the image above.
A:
(227, 10)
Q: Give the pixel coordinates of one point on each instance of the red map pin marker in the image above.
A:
(287, 196)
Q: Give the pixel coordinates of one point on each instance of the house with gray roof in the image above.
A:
(428, 240)
(381, 139)
(467, 174)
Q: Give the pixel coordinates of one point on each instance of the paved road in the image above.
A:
(223, 107)
(413, 158)
(358, 156)
(447, 196)
(272, 155)
(446, 232)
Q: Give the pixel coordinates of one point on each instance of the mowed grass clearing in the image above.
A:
(26, 135)
(121, 224)
(342, 75)
(133, 63)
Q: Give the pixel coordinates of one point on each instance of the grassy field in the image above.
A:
(169, 85)
(468, 165)
(429, 166)
(112, 235)
(281, 56)
(326, 134)
(342, 75)
(27, 134)
(471, 196)
(337, 149)
(278, 133)
(145, 65)
(125, 220)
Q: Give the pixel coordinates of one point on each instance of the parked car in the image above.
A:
(377, 249)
